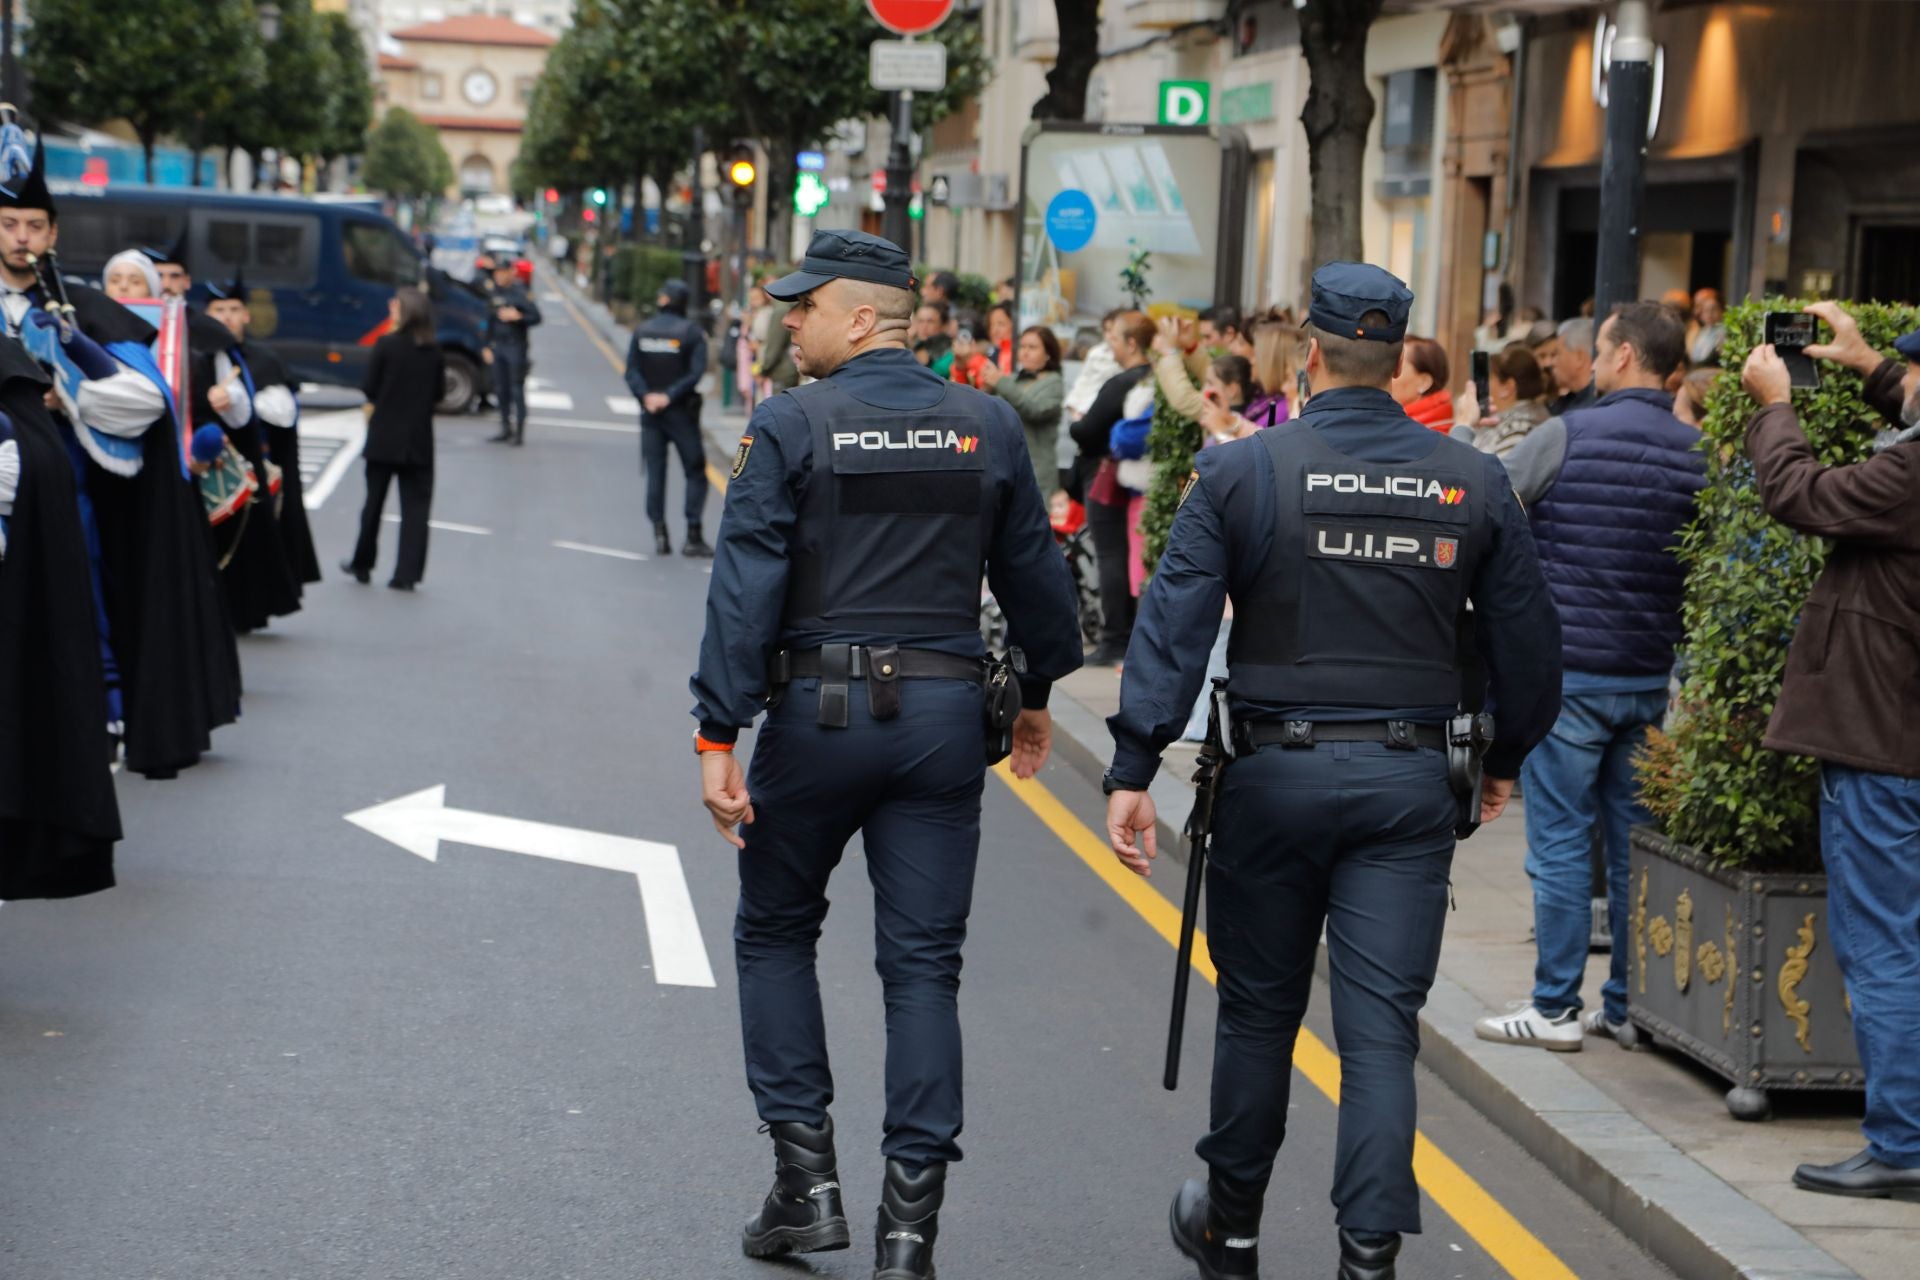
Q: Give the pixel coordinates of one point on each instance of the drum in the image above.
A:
(228, 489)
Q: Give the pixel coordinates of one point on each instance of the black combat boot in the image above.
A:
(696, 545)
(1217, 1224)
(1368, 1255)
(908, 1223)
(803, 1212)
(662, 545)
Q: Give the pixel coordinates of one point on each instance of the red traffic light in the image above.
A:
(553, 195)
(588, 215)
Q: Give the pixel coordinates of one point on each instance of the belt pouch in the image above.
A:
(883, 681)
(836, 665)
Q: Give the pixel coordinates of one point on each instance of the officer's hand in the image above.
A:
(1494, 794)
(655, 401)
(486, 355)
(1765, 377)
(723, 789)
(1129, 812)
(1848, 347)
(1032, 740)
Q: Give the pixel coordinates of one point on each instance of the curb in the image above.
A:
(1667, 1203)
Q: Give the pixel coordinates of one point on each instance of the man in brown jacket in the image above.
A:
(1850, 699)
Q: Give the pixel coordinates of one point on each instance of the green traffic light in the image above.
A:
(809, 194)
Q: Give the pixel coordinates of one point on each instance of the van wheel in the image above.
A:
(462, 384)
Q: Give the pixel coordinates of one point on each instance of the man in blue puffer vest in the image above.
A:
(1608, 489)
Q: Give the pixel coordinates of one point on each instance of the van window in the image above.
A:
(376, 254)
(92, 232)
(270, 248)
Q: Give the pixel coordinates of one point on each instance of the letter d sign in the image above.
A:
(1184, 101)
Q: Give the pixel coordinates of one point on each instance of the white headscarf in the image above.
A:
(137, 259)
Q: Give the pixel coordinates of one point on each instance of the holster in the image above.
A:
(836, 668)
(1468, 737)
(883, 681)
(1002, 705)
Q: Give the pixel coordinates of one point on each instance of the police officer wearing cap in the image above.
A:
(863, 511)
(1351, 541)
(511, 314)
(665, 362)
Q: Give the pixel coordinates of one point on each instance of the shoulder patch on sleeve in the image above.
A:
(740, 456)
(1193, 478)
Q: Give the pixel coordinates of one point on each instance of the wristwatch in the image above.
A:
(1110, 784)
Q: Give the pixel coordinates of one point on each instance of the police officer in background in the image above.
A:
(665, 362)
(513, 313)
(864, 509)
(1351, 541)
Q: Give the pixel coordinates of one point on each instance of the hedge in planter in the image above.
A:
(1172, 442)
(1730, 956)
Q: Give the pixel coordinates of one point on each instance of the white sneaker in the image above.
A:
(1524, 1024)
(1594, 1023)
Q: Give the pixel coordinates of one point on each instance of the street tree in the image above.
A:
(349, 91)
(405, 160)
(294, 96)
(1079, 45)
(151, 64)
(1339, 110)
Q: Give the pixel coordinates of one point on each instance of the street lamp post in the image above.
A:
(269, 15)
(1623, 164)
(693, 257)
(9, 73)
(896, 223)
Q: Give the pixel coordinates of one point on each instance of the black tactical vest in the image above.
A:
(664, 341)
(896, 517)
(1361, 603)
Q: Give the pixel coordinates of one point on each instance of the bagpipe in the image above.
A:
(48, 333)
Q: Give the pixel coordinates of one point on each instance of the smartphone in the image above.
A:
(1790, 333)
(1482, 382)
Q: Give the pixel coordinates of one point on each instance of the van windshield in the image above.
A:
(377, 254)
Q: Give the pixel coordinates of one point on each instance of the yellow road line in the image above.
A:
(1459, 1196)
(586, 326)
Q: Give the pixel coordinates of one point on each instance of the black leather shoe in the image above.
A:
(696, 545)
(361, 576)
(803, 1213)
(401, 586)
(1368, 1255)
(1107, 655)
(908, 1223)
(1216, 1223)
(662, 544)
(1860, 1175)
(501, 438)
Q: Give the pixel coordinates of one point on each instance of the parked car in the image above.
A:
(319, 272)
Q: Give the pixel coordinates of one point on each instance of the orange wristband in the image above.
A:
(703, 745)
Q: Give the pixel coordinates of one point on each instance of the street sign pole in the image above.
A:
(1623, 162)
(896, 223)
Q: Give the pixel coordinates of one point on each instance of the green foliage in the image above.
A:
(974, 292)
(1133, 277)
(1172, 442)
(349, 91)
(405, 158)
(94, 61)
(1708, 779)
(639, 270)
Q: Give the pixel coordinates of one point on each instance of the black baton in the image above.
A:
(1214, 755)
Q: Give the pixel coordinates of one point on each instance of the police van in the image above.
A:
(318, 272)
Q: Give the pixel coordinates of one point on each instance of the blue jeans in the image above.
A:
(1870, 839)
(1583, 775)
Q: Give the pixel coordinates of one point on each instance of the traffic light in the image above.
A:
(598, 197)
(553, 195)
(588, 215)
(809, 193)
(741, 174)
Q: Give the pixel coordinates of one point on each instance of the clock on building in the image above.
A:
(479, 87)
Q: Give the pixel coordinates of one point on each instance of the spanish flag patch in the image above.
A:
(1187, 488)
(740, 456)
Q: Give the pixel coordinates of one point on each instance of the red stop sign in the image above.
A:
(910, 17)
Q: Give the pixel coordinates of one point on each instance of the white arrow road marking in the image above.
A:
(348, 427)
(419, 822)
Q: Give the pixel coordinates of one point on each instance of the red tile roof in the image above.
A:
(393, 62)
(478, 124)
(478, 29)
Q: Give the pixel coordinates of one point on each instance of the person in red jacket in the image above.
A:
(1421, 385)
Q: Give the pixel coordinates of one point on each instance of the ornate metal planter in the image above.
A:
(1735, 968)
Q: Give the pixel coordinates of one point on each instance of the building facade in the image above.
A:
(550, 16)
(470, 78)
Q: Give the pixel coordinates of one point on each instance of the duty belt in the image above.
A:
(881, 666)
(1405, 735)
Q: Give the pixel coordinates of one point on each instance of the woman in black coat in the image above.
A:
(403, 385)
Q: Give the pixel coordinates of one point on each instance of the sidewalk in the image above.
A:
(1644, 1136)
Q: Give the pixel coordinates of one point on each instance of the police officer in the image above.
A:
(665, 362)
(863, 510)
(1351, 541)
(513, 312)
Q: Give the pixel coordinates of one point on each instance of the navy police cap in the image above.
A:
(1343, 292)
(1908, 345)
(849, 255)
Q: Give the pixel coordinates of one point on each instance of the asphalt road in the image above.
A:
(287, 1047)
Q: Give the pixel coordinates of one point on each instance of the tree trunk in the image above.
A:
(1333, 35)
(147, 139)
(1079, 45)
(782, 169)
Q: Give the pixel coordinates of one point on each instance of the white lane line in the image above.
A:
(446, 526)
(622, 428)
(625, 406)
(557, 401)
(592, 550)
(348, 426)
(551, 297)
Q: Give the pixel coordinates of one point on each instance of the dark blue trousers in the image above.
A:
(911, 786)
(1358, 837)
(678, 428)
